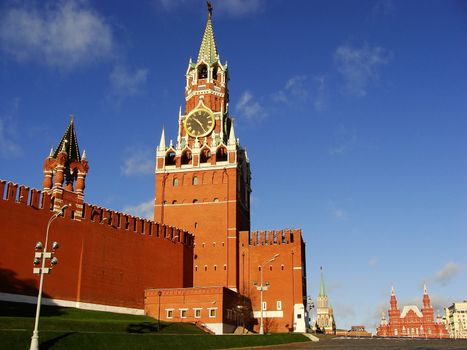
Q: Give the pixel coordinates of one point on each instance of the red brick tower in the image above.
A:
(203, 180)
(427, 310)
(394, 312)
(65, 171)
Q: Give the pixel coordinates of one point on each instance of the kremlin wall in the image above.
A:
(106, 258)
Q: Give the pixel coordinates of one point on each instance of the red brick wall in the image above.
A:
(100, 259)
(225, 301)
(215, 217)
(287, 284)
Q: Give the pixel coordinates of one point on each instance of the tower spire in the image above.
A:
(232, 140)
(322, 289)
(208, 49)
(162, 141)
(69, 143)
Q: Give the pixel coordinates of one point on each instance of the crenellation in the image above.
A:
(274, 237)
(270, 237)
(155, 230)
(35, 198)
(132, 223)
(115, 221)
(2, 190)
(47, 201)
(125, 222)
(23, 195)
(262, 237)
(11, 191)
(106, 216)
(96, 214)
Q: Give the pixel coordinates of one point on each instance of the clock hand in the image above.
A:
(199, 123)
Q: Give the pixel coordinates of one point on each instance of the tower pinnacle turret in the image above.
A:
(65, 170)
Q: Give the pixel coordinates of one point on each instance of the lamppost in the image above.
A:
(261, 289)
(38, 257)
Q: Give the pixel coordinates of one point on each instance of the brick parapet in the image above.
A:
(23, 195)
(275, 237)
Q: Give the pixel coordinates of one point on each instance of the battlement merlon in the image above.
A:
(272, 237)
(43, 200)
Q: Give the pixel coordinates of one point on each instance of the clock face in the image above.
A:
(199, 122)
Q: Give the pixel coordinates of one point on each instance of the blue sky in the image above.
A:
(353, 114)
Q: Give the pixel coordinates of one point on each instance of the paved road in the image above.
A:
(377, 344)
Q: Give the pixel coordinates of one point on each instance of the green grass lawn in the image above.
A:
(68, 328)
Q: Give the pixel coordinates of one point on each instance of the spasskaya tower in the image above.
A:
(203, 179)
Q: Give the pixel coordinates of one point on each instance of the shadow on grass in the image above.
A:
(51, 342)
(144, 327)
(165, 328)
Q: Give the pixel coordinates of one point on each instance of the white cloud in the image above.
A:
(64, 34)
(126, 83)
(301, 88)
(249, 108)
(137, 161)
(239, 7)
(344, 142)
(142, 210)
(447, 273)
(373, 262)
(339, 214)
(359, 66)
(8, 131)
(383, 8)
(336, 210)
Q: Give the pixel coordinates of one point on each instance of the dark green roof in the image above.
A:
(70, 143)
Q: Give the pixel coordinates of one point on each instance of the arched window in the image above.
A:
(195, 201)
(195, 180)
(175, 182)
(214, 73)
(205, 155)
(170, 158)
(186, 157)
(202, 71)
(216, 200)
(221, 154)
(174, 202)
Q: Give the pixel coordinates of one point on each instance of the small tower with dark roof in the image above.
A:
(65, 171)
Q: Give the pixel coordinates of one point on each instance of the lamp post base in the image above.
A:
(34, 341)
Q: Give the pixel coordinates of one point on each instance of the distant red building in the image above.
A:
(411, 322)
